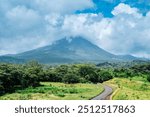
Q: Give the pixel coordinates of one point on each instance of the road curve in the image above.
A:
(103, 96)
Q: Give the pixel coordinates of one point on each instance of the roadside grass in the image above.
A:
(136, 88)
(56, 91)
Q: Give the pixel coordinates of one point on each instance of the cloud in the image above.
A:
(63, 6)
(124, 8)
(27, 25)
(23, 17)
(128, 32)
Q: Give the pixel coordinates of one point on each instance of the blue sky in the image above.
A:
(118, 26)
(106, 6)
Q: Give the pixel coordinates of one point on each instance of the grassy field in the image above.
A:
(136, 88)
(56, 91)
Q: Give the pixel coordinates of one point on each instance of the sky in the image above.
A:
(118, 26)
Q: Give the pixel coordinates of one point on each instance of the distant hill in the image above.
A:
(123, 64)
(127, 57)
(8, 59)
(73, 50)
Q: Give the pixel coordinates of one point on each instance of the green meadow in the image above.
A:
(56, 91)
(136, 88)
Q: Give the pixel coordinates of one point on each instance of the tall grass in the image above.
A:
(131, 89)
(56, 91)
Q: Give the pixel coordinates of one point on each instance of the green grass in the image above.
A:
(56, 91)
(136, 88)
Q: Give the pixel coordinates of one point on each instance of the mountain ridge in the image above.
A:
(72, 50)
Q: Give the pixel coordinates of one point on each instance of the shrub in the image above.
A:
(148, 78)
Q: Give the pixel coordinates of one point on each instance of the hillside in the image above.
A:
(68, 51)
(73, 50)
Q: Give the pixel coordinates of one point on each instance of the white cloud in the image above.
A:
(29, 26)
(124, 9)
(54, 19)
(63, 6)
(22, 17)
(125, 33)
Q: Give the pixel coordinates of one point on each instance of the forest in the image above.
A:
(15, 77)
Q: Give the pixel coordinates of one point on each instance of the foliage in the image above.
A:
(18, 76)
(71, 78)
(56, 91)
(21, 76)
(148, 78)
(135, 89)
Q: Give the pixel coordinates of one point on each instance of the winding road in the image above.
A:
(104, 95)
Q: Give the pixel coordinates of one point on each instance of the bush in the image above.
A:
(148, 78)
(144, 87)
(1, 89)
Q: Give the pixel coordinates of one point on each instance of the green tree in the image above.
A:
(6, 78)
(86, 70)
(52, 76)
(71, 78)
(104, 76)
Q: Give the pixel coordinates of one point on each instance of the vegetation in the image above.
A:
(56, 91)
(127, 89)
(14, 77)
(131, 79)
(148, 78)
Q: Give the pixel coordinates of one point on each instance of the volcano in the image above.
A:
(72, 50)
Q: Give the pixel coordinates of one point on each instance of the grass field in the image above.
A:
(136, 88)
(56, 91)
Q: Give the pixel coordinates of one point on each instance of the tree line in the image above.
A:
(136, 70)
(20, 76)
